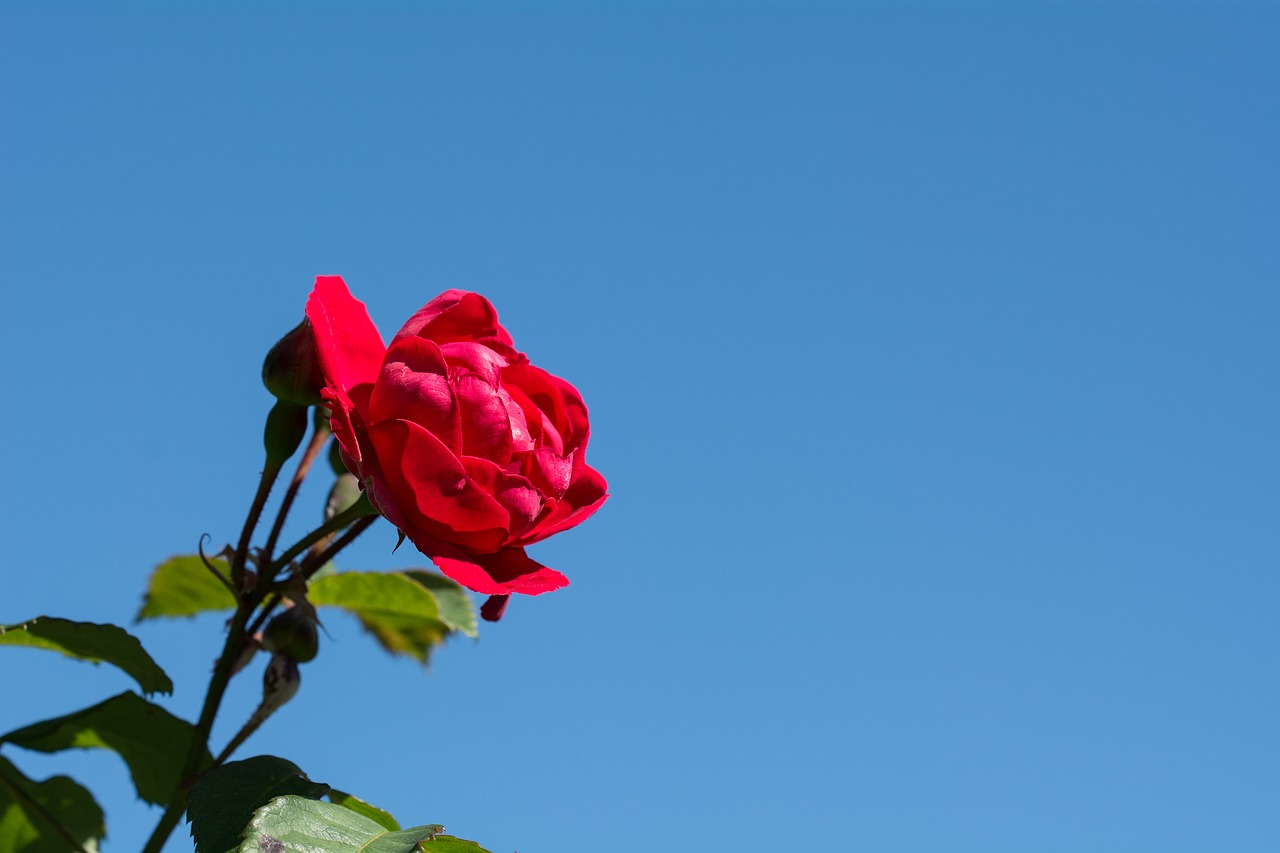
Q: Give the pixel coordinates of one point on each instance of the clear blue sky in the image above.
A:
(931, 352)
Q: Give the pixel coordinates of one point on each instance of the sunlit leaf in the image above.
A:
(27, 807)
(360, 807)
(152, 742)
(91, 642)
(297, 823)
(184, 586)
(224, 800)
(456, 607)
(408, 612)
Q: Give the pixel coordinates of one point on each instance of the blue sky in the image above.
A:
(931, 353)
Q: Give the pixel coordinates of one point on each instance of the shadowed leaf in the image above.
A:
(152, 742)
(26, 808)
(456, 608)
(94, 643)
(224, 800)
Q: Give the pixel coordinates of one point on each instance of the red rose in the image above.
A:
(461, 443)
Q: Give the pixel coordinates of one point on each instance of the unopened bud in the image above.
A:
(292, 634)
(292, 371)
(247, 652)
(280, 683)
(283, 432)
(344, 494)
(335, 458)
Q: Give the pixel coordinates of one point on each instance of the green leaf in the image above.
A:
(344, 494)
(184, 586)
(360, 807)
(456, 608)
(225, 798)
(94, 643)
(408, 612)
(28, 809)
(152, 742)
(449, 844)
(296, 823)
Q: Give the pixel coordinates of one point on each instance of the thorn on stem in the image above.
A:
(211, 567)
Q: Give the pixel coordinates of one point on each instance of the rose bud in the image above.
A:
(292, 634)
(461, 443)
(283, 432)
(335, 459)
(291, 371)
(343, 495)
(280, 683)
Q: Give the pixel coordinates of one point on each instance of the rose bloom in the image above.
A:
(461, 443)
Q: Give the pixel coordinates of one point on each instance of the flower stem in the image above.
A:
(237, 633)
(270, 471)
(200, 737)
(314, 562)
(319, 435)
(358, 510)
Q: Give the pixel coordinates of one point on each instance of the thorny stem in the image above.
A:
(255, 721)
(275, 693)
(358, 510)
(200, 737)
(270, 470)
(319, 435)
(307, 568)
(312, 563)
(359, 516)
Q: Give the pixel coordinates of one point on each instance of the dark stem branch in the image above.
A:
(360, 509)
(312, 564)
(200, 737)
(269, 473)
(319, 436)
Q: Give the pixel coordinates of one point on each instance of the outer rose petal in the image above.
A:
(508, 571)
(347, 343)
(457, 315)
(342, 420)
(432, 489)
(584, 497)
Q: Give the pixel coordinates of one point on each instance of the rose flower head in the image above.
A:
(461, 443)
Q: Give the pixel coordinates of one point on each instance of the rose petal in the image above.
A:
(508, 571)
(551, 472)
(342, 419)
(494, 606)
(521, 438)
(471, 357)
(414, 386)
(486, 426)
(556, 398)
(348, 345)
(584, 497)
(433, 490)
(457, 315)
(518, 496)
